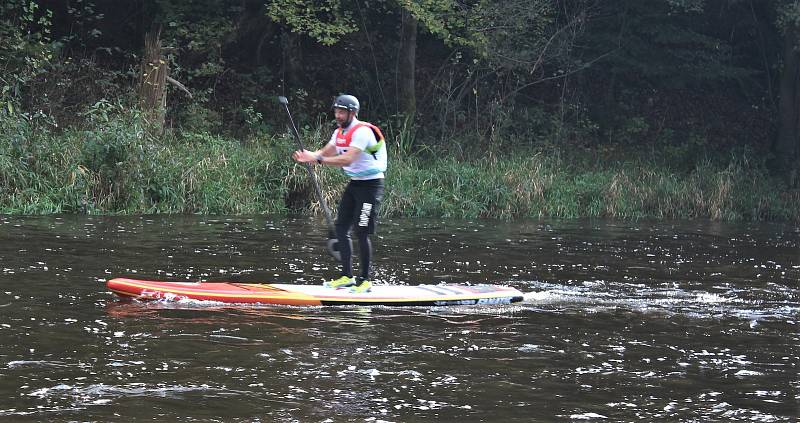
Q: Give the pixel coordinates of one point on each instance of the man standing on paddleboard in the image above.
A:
(360, 150)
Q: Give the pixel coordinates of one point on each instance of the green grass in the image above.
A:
(538, 186)
(113, 167)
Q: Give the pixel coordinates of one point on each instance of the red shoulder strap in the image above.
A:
(349, 135)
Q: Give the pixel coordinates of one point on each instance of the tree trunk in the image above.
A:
(787, 145)
(407, 101)
(152, 88)
(292, 66)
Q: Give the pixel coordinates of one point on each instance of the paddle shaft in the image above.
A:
(325, 210)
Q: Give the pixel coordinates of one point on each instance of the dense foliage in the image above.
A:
(621, 102)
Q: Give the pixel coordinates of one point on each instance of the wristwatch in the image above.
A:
(319, 158)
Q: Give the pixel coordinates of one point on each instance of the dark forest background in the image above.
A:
(674, 78)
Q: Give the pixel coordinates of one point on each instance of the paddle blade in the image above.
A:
(333, 248)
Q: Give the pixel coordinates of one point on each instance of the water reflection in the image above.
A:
(621, 321)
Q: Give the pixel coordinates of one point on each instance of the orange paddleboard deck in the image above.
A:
(314, 295)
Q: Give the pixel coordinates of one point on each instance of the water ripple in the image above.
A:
(643, 321)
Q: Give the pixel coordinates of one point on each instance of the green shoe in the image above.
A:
(363, 287)
(342, 282)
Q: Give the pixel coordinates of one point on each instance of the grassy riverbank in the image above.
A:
(112, 166)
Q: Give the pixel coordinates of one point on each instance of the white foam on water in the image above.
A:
(709, 298)
(33, 363)
(599, 296)
(587, 416)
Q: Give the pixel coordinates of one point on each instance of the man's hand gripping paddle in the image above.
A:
(333, 243)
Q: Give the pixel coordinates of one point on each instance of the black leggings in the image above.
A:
(346, 250)
(358, 210)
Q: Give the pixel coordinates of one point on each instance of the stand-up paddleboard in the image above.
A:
(315, 295)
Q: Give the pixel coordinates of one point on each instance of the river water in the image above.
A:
(643, 321)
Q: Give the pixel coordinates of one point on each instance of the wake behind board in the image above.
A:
(314, 295)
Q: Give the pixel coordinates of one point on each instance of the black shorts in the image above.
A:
(360, 203)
